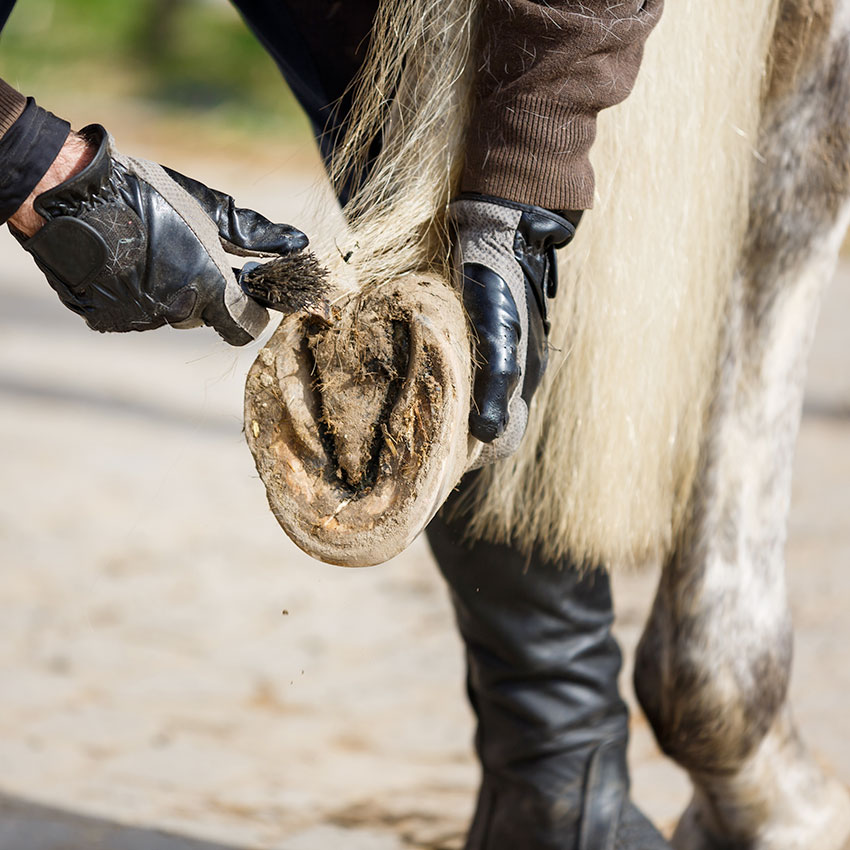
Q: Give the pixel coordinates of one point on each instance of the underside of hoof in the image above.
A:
(358, 422)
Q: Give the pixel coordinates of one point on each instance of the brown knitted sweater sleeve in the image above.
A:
(547, 69)
(12, 104)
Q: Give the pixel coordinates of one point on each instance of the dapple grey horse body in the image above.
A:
(713, 664)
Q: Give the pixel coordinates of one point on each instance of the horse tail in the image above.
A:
(610, 457)
(410, 105)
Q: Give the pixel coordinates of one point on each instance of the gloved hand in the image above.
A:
(505, 253)
(130, 245)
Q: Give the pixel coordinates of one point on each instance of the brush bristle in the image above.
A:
(288, 284)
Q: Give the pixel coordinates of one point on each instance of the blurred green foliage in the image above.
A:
(195, 55)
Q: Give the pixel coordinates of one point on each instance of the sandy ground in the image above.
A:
(175, 675)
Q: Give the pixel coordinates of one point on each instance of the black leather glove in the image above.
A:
(506, 254)
(130, 245)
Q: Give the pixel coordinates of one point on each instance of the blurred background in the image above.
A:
(190, 62)
(174, 674)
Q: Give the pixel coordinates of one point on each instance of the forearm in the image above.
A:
(76, 153)
(549, 68)
(31, 141)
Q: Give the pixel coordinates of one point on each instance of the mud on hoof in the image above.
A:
(358, 424)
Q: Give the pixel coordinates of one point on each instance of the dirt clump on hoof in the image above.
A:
(358, 423)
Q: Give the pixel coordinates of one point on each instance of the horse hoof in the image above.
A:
(816, 815)
(358, 425)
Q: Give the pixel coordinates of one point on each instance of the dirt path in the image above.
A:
(174, 675)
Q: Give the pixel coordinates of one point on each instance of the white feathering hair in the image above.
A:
(411, 97)
(606, 469)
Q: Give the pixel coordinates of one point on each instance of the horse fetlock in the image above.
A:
(711, 705)
(779, 799)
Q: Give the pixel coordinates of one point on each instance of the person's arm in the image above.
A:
(32, 156)
(75, 154)
(548, 69)
(125, 243)
(12, 104)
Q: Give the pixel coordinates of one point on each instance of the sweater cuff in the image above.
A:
(12, 104)
(27, 151)
(533, 151)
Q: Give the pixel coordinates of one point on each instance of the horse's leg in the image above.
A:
(713, 665)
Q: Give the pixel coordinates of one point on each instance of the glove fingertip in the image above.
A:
(239, 319)
(238, 340)
(293, 241)
(234, 335)
(486, 428)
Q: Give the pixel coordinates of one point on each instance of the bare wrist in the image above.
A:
(75, 155)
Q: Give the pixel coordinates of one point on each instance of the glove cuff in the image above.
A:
(551, 229)
(93, 185)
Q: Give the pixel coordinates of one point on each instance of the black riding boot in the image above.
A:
(542, 679)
